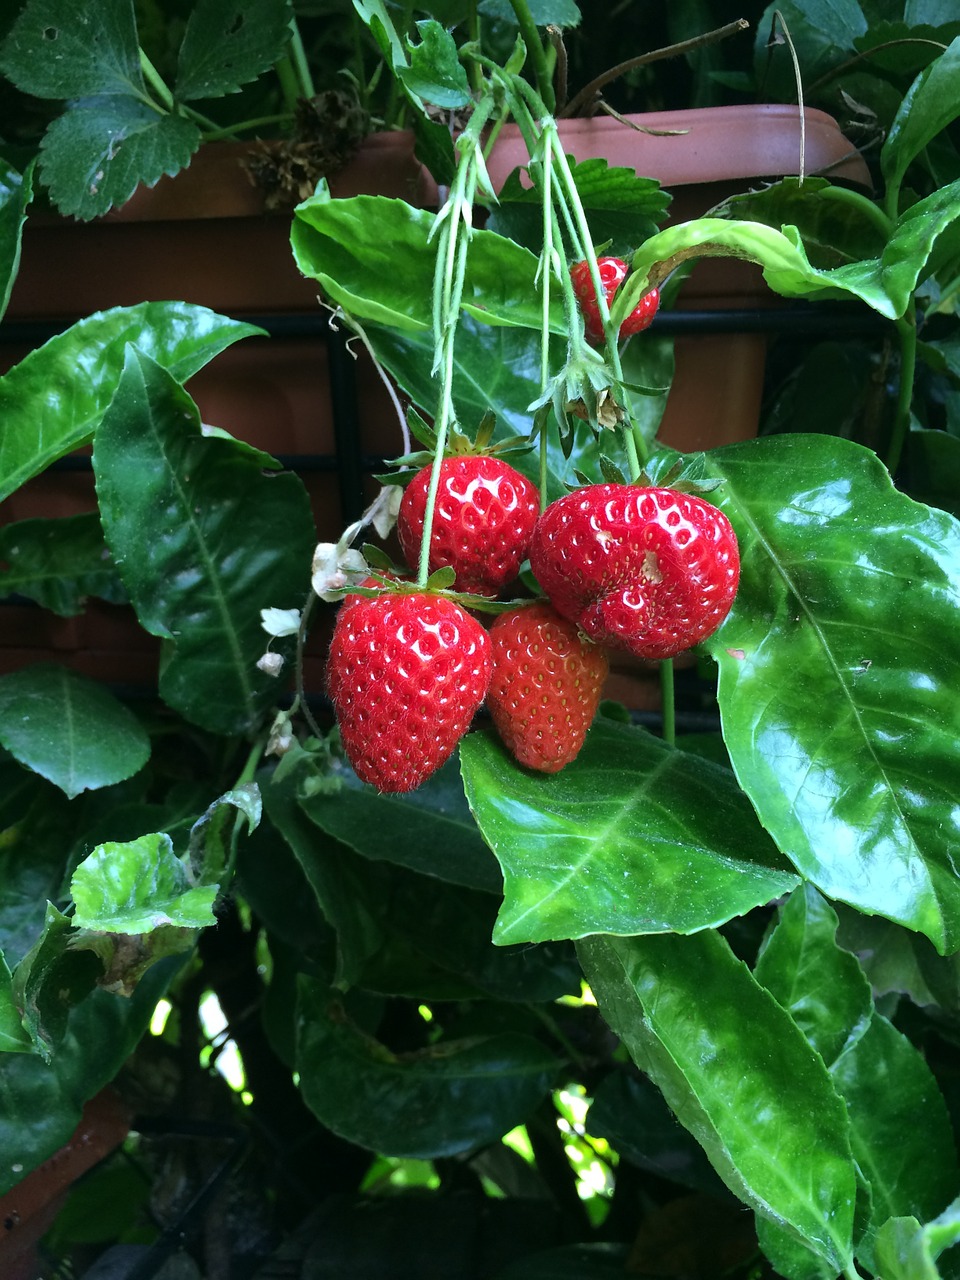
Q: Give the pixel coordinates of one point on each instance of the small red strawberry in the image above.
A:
(482, 522)
(613, 272)
(546, 685)
(406, 673)
(650, 570)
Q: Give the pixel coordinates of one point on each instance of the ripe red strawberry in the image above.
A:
(613, 272)
(649, 570)
(405, 674)
(546, 685)
(482, 521)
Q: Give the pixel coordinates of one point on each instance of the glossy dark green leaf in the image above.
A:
(54, 50)
(96, 155)
(16, 191)
(821, 986)
(138, 886)
(51, 402)
(228, 43)
(931, 102)
(69, 729)
(58, 563)
(204, 537)
(429, 830)
(40, 1103)
(629, 1111)
(340, 892)
(36, 833)
(373, 257)
(851, 589)
(450, 1098)
(933, 469)
(739, 1075)
(633, 837)
(899, 1128)
(908, 1251)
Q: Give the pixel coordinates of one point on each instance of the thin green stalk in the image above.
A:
(545, 265)
(448, 292)
(216, 132)
(537, 52)
(473, 36)
(668, 715)
(907, 333)
(155, 81)
(289, 83)
(298, 56)
(247, 773)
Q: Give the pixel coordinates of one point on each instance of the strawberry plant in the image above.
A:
(471, 928)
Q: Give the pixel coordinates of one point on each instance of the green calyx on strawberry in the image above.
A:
(612, 272)
(483, 517)
(638, 567)
(406, 673)
(546, 685)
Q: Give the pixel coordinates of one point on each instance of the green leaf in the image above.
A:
(429, 830)
(629, 1111)
(375, 15)
(821, 986)
(204, 538)
(837, 226)
(228, 43)
(822, 33)
(633, 837)
(373, 257)
(899, 1128)
(49, 981)
(908, 1251)
(340, 892)
(40, 1103)
(885, 283)
(452, 1097)
(13, 1037)
(51, 402)
(58, 49)
(96, 155)
(850, 588)
(138, 886)
(929, 105)
(738, 1074)
(36, 833)
(435, 74)
(622, 207)
(211, 834)
(553, 13)
(68, 729)
(58, 563)
(16, 192)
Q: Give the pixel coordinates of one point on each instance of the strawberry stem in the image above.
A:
(454, 223)
(668, 715)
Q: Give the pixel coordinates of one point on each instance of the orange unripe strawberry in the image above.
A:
(546, 686)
